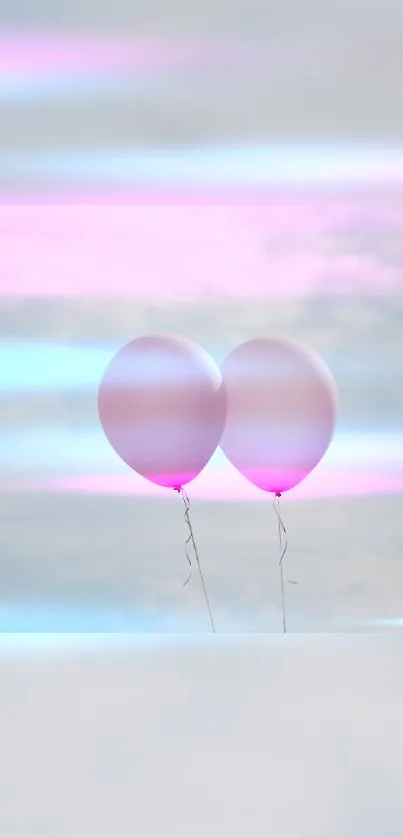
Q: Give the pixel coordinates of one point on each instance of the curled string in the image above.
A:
(283, 549)
(191, 539)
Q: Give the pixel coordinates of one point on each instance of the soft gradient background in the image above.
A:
(80, 530)
(223, 171)
(296, 736)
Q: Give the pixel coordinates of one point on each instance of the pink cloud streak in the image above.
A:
(174, 250)
(62, 54)
(227, 485)
(47, 52)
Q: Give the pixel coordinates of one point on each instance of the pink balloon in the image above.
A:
(281, 411)
(162, 407)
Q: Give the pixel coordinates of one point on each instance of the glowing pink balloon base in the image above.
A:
(275, 481)
(173, 481)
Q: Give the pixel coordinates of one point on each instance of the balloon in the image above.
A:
(281, 412)
(162, 407)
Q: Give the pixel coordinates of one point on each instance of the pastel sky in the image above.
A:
(222, 171)
(81, 527)
(281, 248)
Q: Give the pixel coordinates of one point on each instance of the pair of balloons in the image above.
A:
(165, 407)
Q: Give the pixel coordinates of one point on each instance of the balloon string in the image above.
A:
(282, 531)
(191, 539)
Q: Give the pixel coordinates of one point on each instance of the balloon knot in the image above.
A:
(177, 489)
(278, 494)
